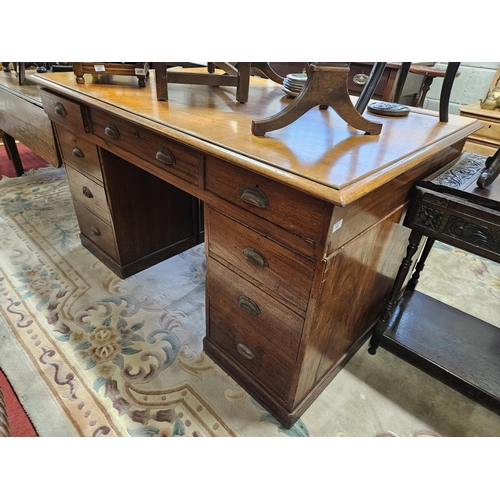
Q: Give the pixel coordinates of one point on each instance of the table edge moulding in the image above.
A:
(302, 227)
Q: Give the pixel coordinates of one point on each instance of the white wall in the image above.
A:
(472, 84)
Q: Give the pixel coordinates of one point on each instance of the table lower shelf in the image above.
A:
(456, 348)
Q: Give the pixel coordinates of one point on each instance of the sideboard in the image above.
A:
(301, 227)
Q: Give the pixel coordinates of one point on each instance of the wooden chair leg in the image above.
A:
(420, 265)
(13, 153)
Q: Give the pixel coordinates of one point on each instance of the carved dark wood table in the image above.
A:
(455, 347)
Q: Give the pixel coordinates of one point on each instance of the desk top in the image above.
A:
(318, 153)
(474, 110)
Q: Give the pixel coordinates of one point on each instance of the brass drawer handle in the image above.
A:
(60, 109)
(77, 152)
(164, 155)
(360, 79)
(254, 257)
(111, 130)
(244, 350)
(254, 196)
(95, 231)
(248, 305)
(87, 192)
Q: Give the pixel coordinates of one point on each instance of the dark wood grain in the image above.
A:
(459, 349)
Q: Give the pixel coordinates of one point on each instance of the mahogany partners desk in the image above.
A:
(302, 226)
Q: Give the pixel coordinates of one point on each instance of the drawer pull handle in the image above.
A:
(254, 257)
(254, 196)
(95, 231)
(60, 109)
(165, 156)
(112, 131)
(87, 192)
(360, 79)
(77, 152)
(244, 350)
(248, 305)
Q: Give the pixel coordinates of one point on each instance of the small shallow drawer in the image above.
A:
(168, 155)
(88, 193)
(256, 331)
(279, 270)
(291, 209)
(79, 154)
(65, 112)
(96, 230)
(490, 132)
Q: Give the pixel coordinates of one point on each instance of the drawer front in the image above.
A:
(65, 112)
(96, 230)
(358, 76)
(88, 193)
(282, 272)
(490, 132)
(170, 156)
(286, 207)
(252, 328)
(79, 154)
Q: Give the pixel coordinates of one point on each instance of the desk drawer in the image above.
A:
(168, 155)
(96, 230)
(89, 193)
(286, 207)
(65, 112)
(282, 272)
(255, 330)
(79, 154)
(490, 132)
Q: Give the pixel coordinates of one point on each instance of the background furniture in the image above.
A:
(293, 285)
(429, 73)
(486, 140)
(138, 69)
(22, 118)
(459, 349)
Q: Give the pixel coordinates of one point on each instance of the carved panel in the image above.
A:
(435, 200)
(466, 167)
(474, 234)
(428, 217)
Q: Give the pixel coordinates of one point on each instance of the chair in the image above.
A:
(13, 153)
(449, 76)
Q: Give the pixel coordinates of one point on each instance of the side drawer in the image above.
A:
(291, 209)
(96, 230)
(279, 270)
(255, 330)
(171, 156)
(87, 192)
(65, 112)
(489, 132)
(79, 153)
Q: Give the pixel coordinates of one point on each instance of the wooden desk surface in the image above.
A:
(319, 153)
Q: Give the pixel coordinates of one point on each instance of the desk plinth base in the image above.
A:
(456, 348)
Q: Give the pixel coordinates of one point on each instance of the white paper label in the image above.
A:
(337, 225)
(99, 67)
(140, 71)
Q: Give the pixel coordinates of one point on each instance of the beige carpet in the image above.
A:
(90, 354)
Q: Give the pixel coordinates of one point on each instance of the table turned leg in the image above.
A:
(383, 322)
(420, 265)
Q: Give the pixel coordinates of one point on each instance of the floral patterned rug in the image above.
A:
(90, 354)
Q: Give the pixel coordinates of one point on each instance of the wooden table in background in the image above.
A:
(302, 227)
(22, 118)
